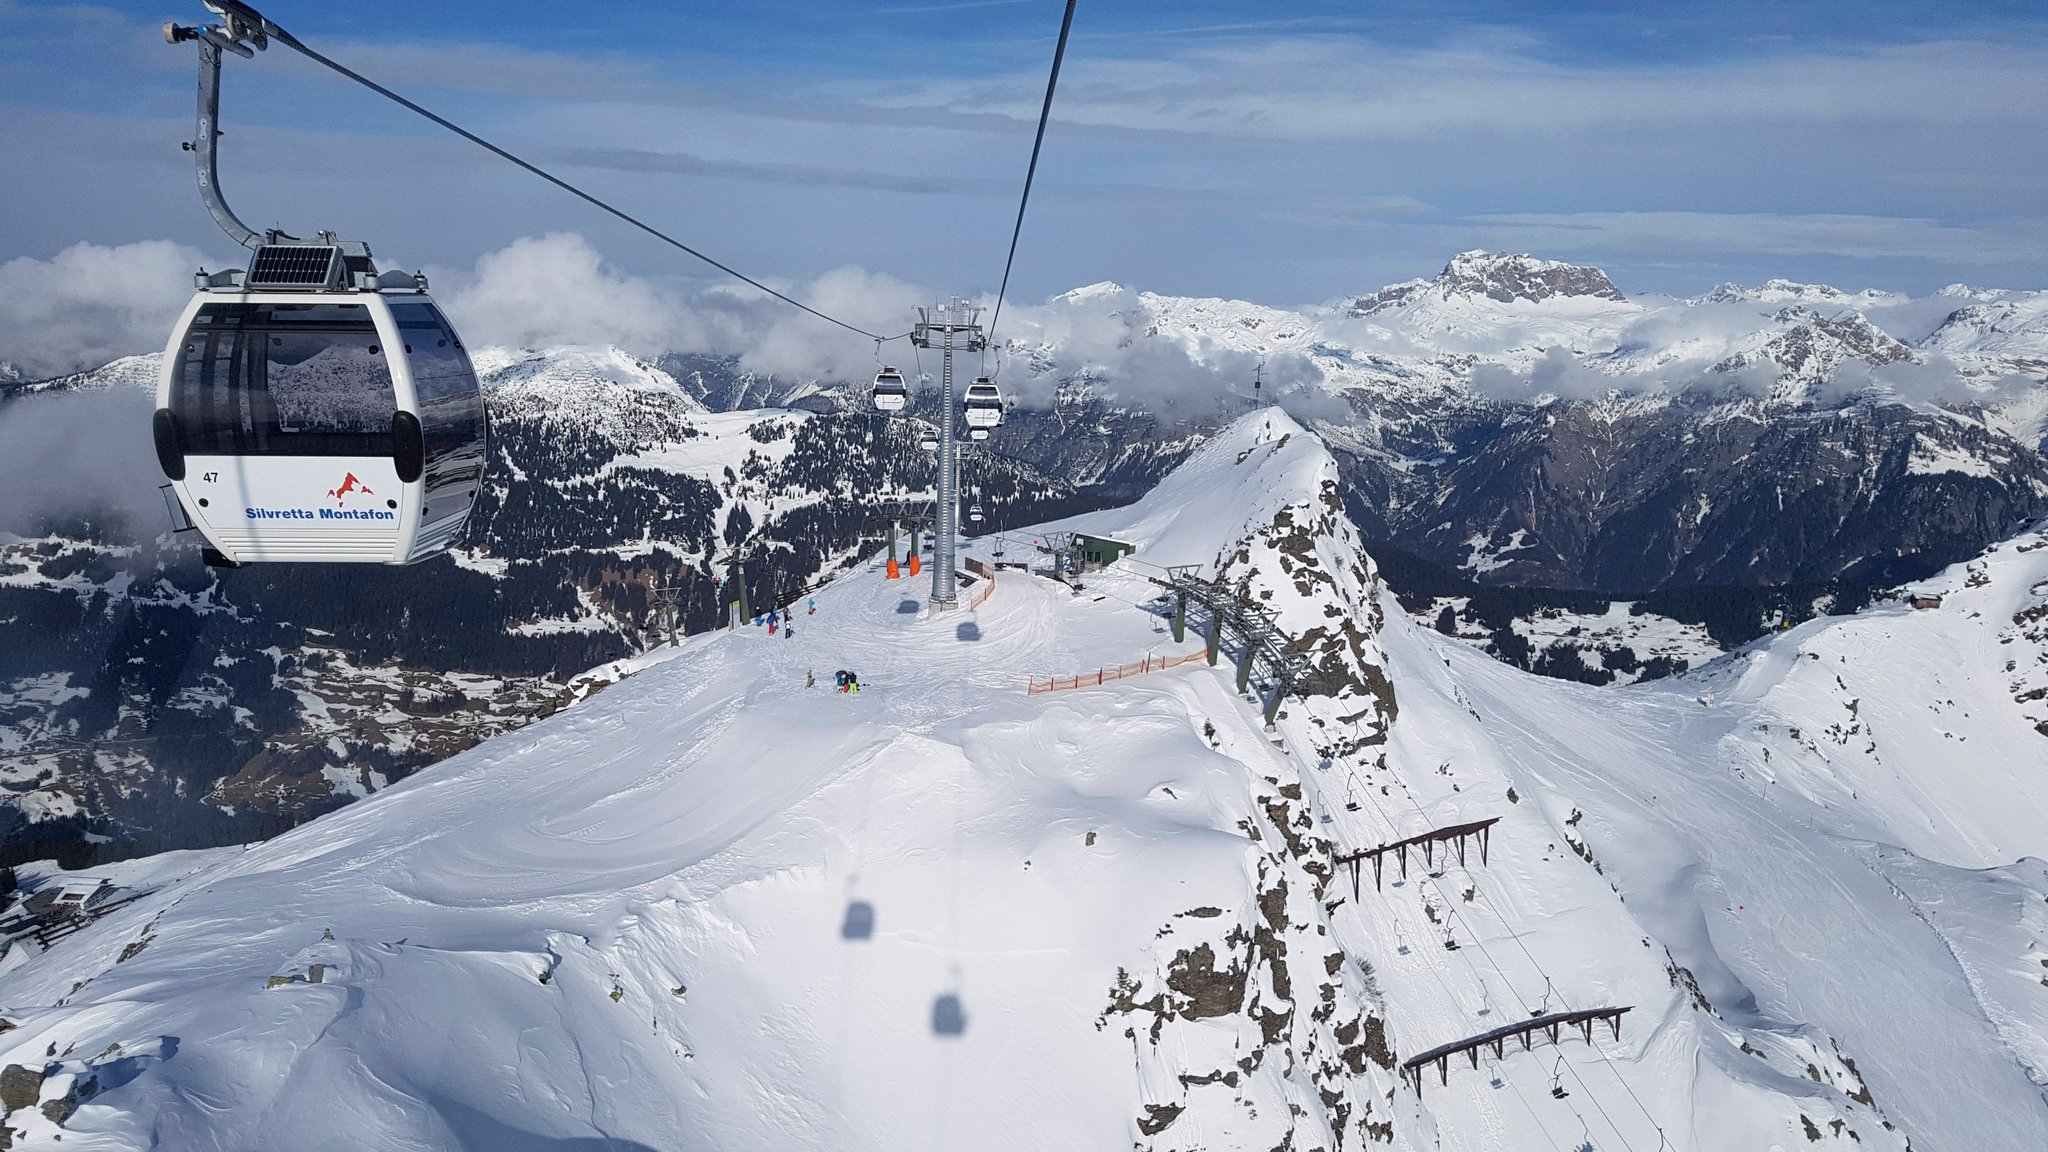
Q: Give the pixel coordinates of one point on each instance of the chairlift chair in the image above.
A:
(928, 440)
(974, 514)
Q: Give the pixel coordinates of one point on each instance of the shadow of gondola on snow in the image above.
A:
(967, 631)
(907, 607)
(948, 1017)
(860, 921)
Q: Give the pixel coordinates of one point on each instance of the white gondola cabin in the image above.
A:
(891, 394)
(338, 422)
(984, 408)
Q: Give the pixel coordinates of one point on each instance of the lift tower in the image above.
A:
(954, 325)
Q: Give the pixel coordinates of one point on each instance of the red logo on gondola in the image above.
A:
(349, 484)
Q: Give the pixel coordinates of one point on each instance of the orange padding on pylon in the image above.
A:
(914, 565)
(1105, 675)
(895, 572)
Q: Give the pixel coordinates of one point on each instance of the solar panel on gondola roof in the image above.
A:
(295, 266)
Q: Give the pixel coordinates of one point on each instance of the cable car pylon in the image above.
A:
(949, 327)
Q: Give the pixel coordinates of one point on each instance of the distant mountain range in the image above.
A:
(1725, 463)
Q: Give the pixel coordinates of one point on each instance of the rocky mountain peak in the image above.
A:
(1507, 277)
(1779, 290)
(1502, 277)
(1100, 290)
(1813, 346)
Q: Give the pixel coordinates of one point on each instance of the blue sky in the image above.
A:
(1283, 153)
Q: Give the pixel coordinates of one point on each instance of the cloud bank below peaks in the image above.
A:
(90, 303)
(557, 289)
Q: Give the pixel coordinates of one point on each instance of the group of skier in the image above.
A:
(843, 680)
(785, 618)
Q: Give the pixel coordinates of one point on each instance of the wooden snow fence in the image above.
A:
(1110, 675)
(988, 583)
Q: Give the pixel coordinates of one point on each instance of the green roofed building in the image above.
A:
(1096, 551)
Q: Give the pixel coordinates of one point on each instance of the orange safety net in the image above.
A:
(1106, 675)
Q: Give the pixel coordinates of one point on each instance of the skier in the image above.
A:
(853, 681)
(789, 631)
(809, 679)
(812, 605)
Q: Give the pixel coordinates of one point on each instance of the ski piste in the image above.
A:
(710, 908)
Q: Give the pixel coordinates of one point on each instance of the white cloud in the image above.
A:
(1322, 87)
(79, 452)
(90, 304)
(556, 289)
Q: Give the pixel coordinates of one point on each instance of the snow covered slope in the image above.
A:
(712, 908)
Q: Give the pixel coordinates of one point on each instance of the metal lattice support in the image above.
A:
(668, 606)
(1264, 645)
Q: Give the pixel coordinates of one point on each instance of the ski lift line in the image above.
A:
(296, 45)
(1451, 910)
(1052, 82)
(1451, 913)
(1550, 988)
(1452, 997)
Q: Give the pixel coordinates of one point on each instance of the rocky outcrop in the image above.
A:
(1501, 277)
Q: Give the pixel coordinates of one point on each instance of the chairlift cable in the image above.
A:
(293, 42)
(1052, 82)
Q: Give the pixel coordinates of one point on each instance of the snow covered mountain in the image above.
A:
(1524, 421)
(711, 906)
(1512, 421)
(147, 702)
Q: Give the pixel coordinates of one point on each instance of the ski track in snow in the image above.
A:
(684, 855)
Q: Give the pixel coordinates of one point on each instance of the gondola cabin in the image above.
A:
(984, 407)
(891, 394)
(337, 424)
